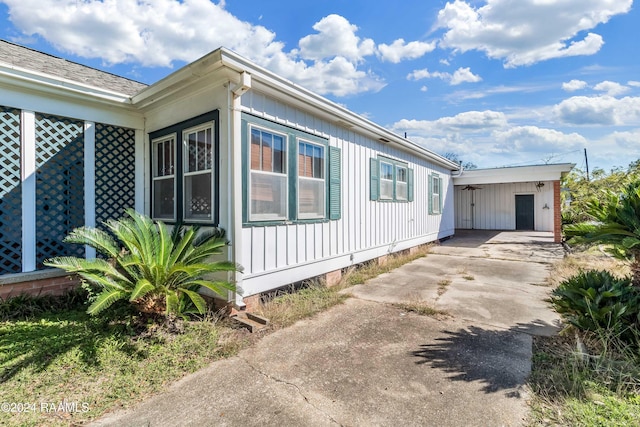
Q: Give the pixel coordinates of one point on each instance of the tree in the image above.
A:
(454, 157)
(614, 221)
(147, 264)
(580, 189)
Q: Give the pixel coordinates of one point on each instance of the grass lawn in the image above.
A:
(95, 364)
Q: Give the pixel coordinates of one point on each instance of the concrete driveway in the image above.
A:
(370, 363)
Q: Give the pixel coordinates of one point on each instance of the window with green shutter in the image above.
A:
(306, 169)
(435, 194)
(390, 180)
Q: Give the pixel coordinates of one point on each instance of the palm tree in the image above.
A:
(144, 261)
(615, 222)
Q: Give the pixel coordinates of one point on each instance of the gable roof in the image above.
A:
(23, 57)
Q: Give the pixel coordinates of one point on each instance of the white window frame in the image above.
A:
(405, 182)
(392, 196)
(323, 180)
(285, 168)
(435, 195)
(156, 178)
(185, 170)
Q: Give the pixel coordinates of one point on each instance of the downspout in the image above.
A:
(234, 99)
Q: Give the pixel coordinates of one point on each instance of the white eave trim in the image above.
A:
(553, 172)
(340, 114)
(17, 76)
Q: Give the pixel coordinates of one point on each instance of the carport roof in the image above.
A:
(549, 172)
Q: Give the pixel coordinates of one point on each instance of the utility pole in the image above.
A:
(586, 162)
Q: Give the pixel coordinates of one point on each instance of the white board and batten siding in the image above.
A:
(276, 255)
(495, 206)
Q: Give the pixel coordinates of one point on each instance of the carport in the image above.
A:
(511, 198)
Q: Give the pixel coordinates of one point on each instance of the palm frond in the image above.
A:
(197, 300)
(103, 242)
(105, 299)
(142, 288)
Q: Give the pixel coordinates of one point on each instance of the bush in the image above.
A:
(596, 300)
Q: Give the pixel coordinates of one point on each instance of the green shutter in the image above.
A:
(410, 185)
(374, 179)
(335, 188)
(441, 196)
(430, 181)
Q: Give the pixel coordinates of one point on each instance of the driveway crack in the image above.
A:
(298, 389)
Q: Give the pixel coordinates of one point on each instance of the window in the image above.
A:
(435, 194)
(386, 181)
(401, 183)
(268, 175)
(291, 175)
(311, 182)
(390, 180)
(198, 168)
(164, 178)
(184, 171)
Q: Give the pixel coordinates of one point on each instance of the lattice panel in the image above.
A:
(59, 185)
(115, 171)
(10, 192)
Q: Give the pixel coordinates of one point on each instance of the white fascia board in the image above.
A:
(56, 85)
(536, 173)
(265, 80)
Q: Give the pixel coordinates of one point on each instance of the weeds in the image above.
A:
(421, 307)
(284, 309)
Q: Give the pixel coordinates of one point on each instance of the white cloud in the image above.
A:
(164, 32)
(469, 121)
(525, 32)
(336, 37)
(574, 85)
(399, 50)
(533, 139)
(633, 83)
(424, 89)
(464, 75)
(599, 110)
(611, 88)
(461, 75)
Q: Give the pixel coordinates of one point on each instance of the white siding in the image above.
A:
(495, 206)
(367, 228)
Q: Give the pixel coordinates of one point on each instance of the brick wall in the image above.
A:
(46, 286)
(557, 213)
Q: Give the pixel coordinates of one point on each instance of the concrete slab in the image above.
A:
(368, 362)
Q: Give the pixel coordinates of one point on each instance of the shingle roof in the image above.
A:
(24, 57)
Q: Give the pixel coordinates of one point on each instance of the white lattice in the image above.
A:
(59, 185)
(115, 171)
(10, 192)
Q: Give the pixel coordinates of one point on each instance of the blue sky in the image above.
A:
(497, 82)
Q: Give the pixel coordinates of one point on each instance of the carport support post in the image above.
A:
(557, 213)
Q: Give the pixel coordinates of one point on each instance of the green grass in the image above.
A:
(104, 362)
(286, 309)
(567, 390)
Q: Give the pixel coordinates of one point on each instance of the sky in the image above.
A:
(493, 82)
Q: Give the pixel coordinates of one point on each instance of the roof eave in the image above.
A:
(17, 76)
(340, 115)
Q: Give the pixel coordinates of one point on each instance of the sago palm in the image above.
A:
(144, 260)
(615, 222)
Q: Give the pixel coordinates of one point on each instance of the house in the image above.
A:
(511, 198)
(303, 186)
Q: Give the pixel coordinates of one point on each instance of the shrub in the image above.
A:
(146, 264)
(595, 300)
